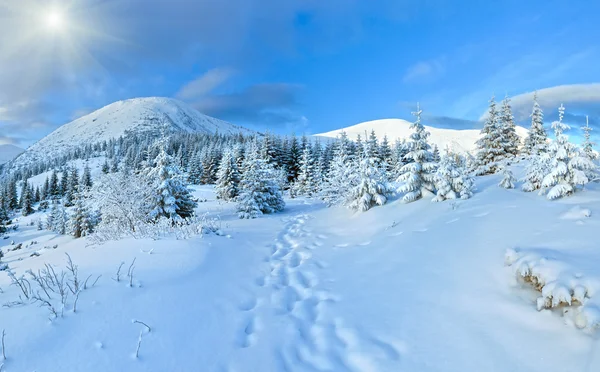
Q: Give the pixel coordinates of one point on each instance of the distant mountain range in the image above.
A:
(122, 118)
(458, 140)
(9, 152)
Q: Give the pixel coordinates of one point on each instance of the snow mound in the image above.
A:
(122, 118)
(560, 285)
(457, 140)
(576, 213)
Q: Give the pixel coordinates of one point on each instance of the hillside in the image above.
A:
(404, 287)
(139, 115)
(462, 140)
(9, 152)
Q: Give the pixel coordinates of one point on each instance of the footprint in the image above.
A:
(247, 334)
(305, 280)
(260, 281)
(295, 260)
(321, 236)
(249, 304)
(320, 264)
(388, 349)
(282, 276)
(318, 244)
(285, 299)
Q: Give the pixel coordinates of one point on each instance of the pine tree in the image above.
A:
(588, 145)
(26, 201)
(228, 178)
(417, 176)
(72, 187)
(536, 142)
(510, 138)
(567, 166)
(536, 170)
(372, 187)
(105, 167)
(64, 183)
(452, 180)
(306, 184)
(259, 189)
(340, 177)
(86, 177)
(435, 154)
(80, 224)
(53, 190)
(195, 171)
(46, 189)
(508, 181)
(491, 146)
(171, 198)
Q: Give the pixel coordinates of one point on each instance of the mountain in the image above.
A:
(459, 140)
(9, 152)
(122, 118)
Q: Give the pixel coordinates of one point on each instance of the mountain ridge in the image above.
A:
(122, 118)
(458, 140)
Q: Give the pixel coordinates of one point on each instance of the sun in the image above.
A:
(55, 20)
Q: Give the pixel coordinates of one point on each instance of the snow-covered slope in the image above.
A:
(456, 139)
(138, 115)
(404, 287)
(9, 152)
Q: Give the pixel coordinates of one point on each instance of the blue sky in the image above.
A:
(304, 66)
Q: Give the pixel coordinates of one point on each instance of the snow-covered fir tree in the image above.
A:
(228, 178)
(171, 197)
(536, 142)
(537, 168)
(510, 138)
(588, 145)
(491, 147)
(306, 182)
(372, 187)
(80, 221)
(259, 189)
(568, 166)
(195, 169)
(452, 180)
(508, 180)
(26, 201)
(418, 176)
(86, 177)
(341, 176)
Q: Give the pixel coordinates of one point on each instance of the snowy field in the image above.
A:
(403, 287)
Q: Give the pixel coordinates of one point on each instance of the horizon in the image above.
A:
(302, 67)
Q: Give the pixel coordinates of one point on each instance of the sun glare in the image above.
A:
(55, 20)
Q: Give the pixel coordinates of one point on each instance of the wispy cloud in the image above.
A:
(425, 71)
(205, 84)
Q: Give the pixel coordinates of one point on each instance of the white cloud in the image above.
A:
(205, 84)
(425, 71)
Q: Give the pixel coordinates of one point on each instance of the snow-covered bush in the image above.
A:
(567, 166)
(536, 170)
(508, 180)
(418, 175)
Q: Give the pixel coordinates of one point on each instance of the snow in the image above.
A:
(403, 287)
(138, 115)
(457, 140)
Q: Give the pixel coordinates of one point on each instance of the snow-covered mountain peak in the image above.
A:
(138, 115)
(459, 140)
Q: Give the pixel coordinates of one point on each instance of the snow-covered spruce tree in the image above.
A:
(567, 165)
(171, 197)
(508, 180)
(452, 180)
(512, 141)
(341, 176)
(305, 183)
(195, 170)
(588, 145)
(228, 178)
(536, 142)
(435, 154)
(491, 147)
(535, 172)
(259, 189)
(80, 221)
(417, 176)
(26, 201)
(105, 167)
(86, 177)
(372, 187)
